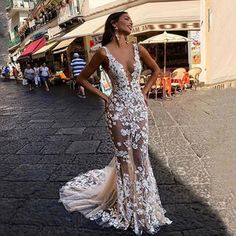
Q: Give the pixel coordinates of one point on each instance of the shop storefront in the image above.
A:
(177, 18)
(63, 54)
(44, 55)
(149, 19)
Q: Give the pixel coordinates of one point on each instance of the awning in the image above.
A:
(42, 51)
(63, 45)
(161, 16)
(60, 51)
(87, 28)
(32, 47)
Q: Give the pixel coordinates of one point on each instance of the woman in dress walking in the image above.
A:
(124, 194)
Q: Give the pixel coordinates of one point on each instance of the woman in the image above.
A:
(29, 76)
(37, 79)
(45, 74)
(123, 194)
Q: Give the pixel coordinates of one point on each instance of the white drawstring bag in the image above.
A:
(24, 82)
(105, 83)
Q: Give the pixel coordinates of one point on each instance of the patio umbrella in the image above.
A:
(165, 38)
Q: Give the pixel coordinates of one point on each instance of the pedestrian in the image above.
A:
(37, 79)
(77, 65)
(124, 194)
(29, 76)
(15, 73)
(44, 75)
(6, 72)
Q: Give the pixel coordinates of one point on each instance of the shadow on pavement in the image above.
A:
(191, 216)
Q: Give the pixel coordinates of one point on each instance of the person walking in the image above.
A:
(29, 76)
(45, 74)
(6, 72)
(77, 65)
(15, 73)
(37, 79)
(124, 194)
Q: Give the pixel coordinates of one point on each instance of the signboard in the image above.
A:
(162, 27)
(195, 48)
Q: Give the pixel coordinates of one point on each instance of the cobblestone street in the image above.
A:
(48, 138)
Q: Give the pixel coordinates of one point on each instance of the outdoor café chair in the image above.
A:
(194, 76)
(177, 79)
(155, 88)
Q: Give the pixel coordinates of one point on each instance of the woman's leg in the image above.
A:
(121, 138)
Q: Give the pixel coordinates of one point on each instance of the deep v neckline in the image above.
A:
(122, 66)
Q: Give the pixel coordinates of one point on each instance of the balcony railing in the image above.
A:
(14, 42)
(20, 4)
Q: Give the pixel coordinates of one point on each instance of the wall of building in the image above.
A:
(219, 38)
(3, 34)
(13, 22)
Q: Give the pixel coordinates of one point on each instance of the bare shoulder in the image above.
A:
(142, 50)
(99, 56)
(101, 52)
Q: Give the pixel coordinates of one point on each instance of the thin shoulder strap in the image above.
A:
(136, 50)
(107, 52)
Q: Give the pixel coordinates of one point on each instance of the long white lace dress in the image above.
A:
(123, 194)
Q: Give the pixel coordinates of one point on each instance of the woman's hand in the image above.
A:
(107, 101)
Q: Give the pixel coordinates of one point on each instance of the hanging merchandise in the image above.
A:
(105, 83)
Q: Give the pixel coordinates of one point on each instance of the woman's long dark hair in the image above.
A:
(109, 28)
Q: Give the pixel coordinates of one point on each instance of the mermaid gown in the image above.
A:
(123, 194)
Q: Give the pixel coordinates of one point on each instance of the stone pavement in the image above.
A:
(48, 138)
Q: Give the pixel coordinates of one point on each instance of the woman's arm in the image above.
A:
(93, 65)
(151, 64)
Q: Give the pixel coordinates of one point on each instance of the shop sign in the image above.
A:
(162, 27)
(195, 47)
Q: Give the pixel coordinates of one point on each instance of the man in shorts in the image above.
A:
(77, 65)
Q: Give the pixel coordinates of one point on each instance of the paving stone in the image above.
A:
(54, 147)
(47, 190)
(60, 231)
(189, 169)
(205, 232)
(64, 124)
(5, 169)
(77, 131)
(8, 209)
(85, 123)
(32, 148)
(177, 147)
(59, 138)
(174, 194)
(20, 230)
(65, 172)
(83, 147)
(41, 121)
(42, 212)
(11, 147)
(106, 147)
(18, 189)
(27, 172)
(41, 125)
(56, 159)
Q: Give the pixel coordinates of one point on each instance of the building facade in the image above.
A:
(17, 13)
(218, 43)
(3, 35)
